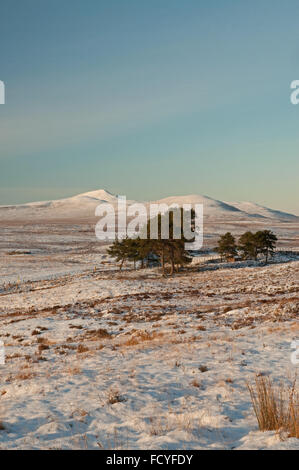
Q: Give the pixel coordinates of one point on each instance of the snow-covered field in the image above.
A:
(97, 358)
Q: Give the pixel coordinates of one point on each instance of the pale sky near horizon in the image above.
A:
(150, 99)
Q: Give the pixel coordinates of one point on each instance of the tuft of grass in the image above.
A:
(201, 328)
(25, 375)
(114, 396)
(276, 406)
(82, 349)
(35, 332)
(195, 383)
(74, 370)
(43, 347)
(139, 337)
(158, 426)
(229, 380)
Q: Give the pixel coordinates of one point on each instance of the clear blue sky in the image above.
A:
(150, 99)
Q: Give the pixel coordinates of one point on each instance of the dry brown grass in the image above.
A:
(201, 328)
(43, 347)
(114, 442)
(25, 375)
(114, 396)
(35, 332)
(158, 426)
(195, 383)
(276, 406)
(82, 349)
(229, 380)
(74, 370)
(140, 336)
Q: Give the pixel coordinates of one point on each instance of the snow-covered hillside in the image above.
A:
(260, 211)
(105, 360)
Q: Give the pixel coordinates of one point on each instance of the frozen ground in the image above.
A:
(101, 359)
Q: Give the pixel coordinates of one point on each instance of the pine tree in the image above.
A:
(253, 244)
(266, 243)
(226, 246)
(120, 251)
(171, 250)
(248, 246)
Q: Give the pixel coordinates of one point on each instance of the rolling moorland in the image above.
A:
(98, 358)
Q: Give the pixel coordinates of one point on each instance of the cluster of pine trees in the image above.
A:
(250, 245)
(170, 252)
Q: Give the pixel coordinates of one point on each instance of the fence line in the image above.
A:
(287, 250)
(205, 258)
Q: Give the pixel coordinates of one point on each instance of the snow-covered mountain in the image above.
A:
(83, 206)
(79, 206)
(212, 207)
(262, 211)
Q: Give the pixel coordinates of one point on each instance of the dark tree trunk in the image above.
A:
(163, 261)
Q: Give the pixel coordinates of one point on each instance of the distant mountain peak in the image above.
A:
(101, 194)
